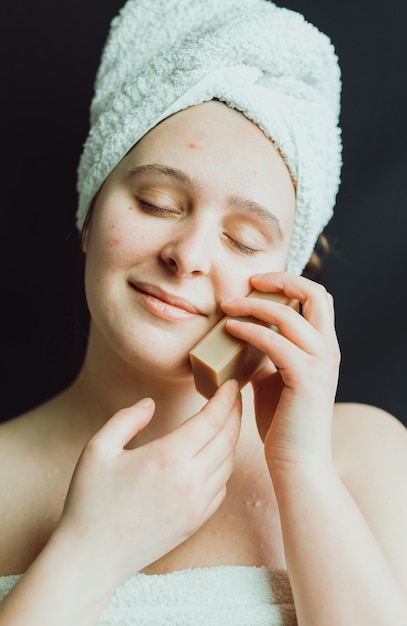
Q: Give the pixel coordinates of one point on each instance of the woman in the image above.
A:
(186, 205)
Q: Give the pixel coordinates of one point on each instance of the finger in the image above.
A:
(216, 485)
(203, 426)
(264, 373)
(123, 426)
(289, 323)
(283, 353)
(316, 305)
(214, 453)
(214, 504)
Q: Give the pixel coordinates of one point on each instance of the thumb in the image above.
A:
(124, 425)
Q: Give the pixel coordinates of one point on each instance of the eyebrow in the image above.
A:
(258, 211)
(162, 171)
(234, 202)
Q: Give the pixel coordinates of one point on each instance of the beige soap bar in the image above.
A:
(219, 356)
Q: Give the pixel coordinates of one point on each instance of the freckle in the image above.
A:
(193, 146)
(130, 208)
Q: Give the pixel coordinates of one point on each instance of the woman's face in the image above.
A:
(200, 204)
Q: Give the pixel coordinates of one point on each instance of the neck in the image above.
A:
(106, 384)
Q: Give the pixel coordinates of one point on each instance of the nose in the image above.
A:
(188, 252)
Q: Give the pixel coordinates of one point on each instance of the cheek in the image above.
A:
(103, 258)
(114, 246)
(236, 281)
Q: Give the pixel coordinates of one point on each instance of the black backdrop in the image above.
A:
(49, 54)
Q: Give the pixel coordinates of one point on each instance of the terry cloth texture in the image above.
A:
(215, 596)
(265, 61)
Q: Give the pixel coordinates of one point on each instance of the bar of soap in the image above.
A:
(219, 356)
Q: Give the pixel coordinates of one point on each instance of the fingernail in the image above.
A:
(226, 300)
(145, 402)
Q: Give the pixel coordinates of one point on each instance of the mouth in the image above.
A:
(165, 305)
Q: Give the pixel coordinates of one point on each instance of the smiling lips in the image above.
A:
(165, 305)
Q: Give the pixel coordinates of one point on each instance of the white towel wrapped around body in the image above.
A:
(214, 596)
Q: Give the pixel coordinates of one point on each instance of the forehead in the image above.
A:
(214, 140)
(208, 126)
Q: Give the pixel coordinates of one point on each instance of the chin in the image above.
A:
(146, 349)
(174, 369)
(159, 361)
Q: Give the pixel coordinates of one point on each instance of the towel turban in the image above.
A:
(162, 56)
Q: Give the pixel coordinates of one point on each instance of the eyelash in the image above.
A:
(151, 208)
(241, 247)
(154, 209)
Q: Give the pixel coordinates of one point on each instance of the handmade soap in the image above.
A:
(219, 356)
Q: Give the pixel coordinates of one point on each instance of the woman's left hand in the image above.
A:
(295, 390)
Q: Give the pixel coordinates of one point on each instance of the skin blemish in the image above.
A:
(113, 241)
(193, 146)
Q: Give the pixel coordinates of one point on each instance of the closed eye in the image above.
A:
(151, 208)
(241, 247)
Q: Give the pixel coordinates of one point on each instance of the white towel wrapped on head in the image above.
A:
(268, 62)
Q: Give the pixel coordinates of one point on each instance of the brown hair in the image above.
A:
(315, 266)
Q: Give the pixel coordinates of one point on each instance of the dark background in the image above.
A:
(49, 54)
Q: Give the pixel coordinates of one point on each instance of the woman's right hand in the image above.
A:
(127, 508)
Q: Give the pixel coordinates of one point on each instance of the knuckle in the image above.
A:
(271, 339)
(229, 466)
(169, 460)
(320, 290)
(228, 439)
(96, 447)
(196, 505)
(289, 313)
(213, 421)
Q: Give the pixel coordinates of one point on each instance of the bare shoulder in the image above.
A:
(369, 447)
(364, 433)
(370, 454)
(18, 439)
(23, 441)
(33, 483)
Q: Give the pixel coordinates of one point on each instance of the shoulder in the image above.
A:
(20, 438)
(370, 455)
(369, 446)
(31, 444)
(364, 432)
(32, 488)
(24, 457)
